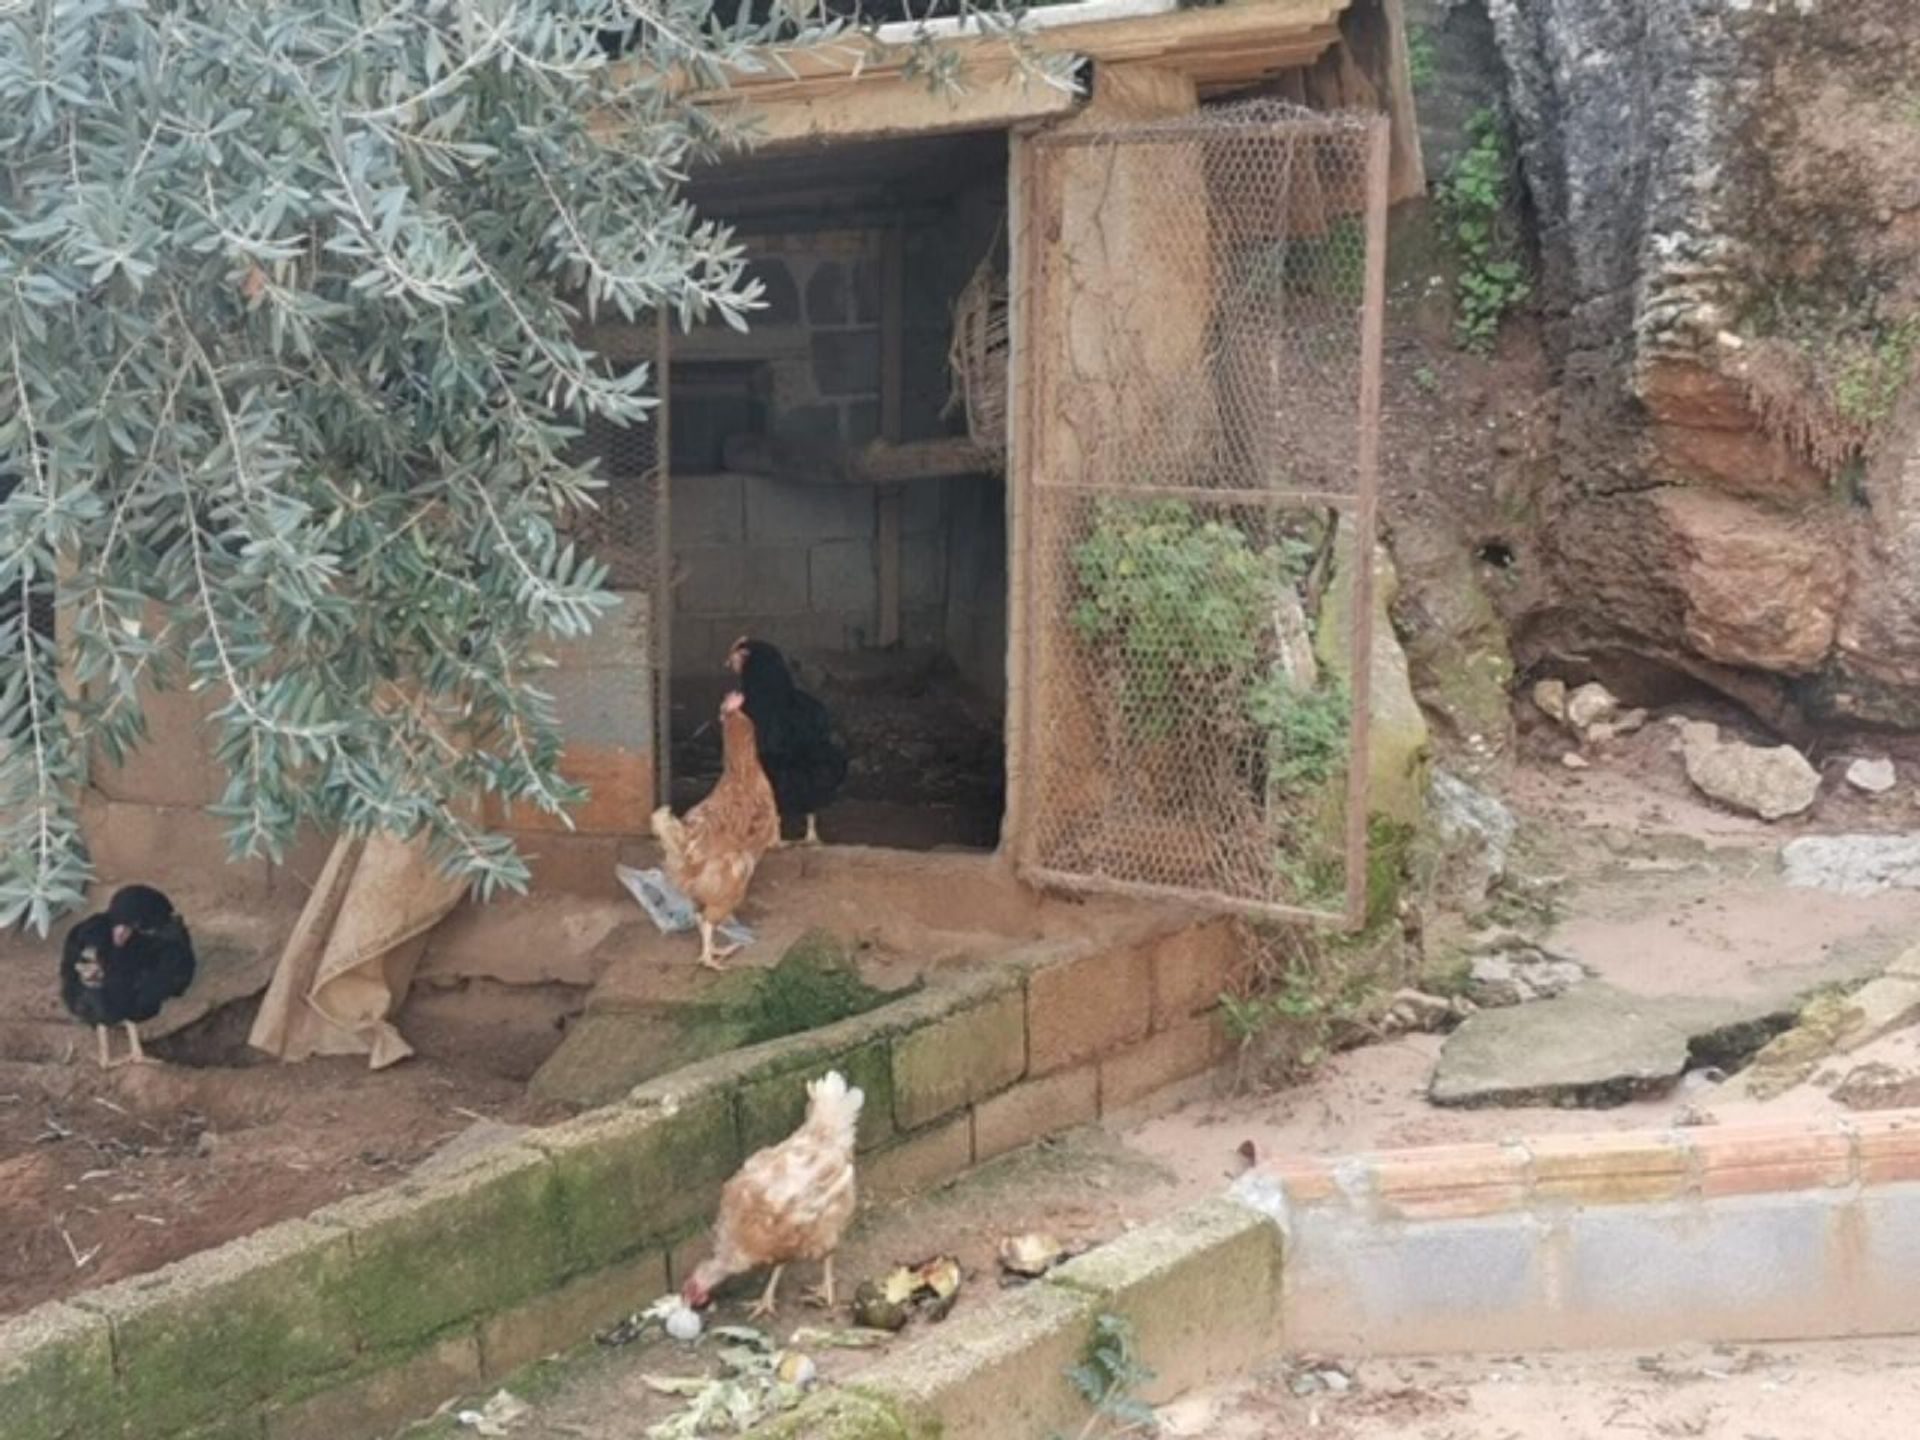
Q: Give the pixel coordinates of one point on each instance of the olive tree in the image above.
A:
(290, 380)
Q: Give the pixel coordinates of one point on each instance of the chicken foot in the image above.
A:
(710, 955)
(134, 1056)
(822, 1294)
(765, 1306)
(813, 831)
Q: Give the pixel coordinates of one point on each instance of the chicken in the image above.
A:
(119, 967)
(790, 1201)
(804, 762)
(712, 853)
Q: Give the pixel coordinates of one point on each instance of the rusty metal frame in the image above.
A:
(1358, 508)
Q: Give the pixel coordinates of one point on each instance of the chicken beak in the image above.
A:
(121, 935)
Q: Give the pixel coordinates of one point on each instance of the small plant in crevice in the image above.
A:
(1422, 59)
(1477, 199)
(1109, 1377)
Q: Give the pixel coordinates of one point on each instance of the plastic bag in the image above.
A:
(670, 911)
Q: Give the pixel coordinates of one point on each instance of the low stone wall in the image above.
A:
(371, 1312)
(1724, 1233)
(1740, 1233)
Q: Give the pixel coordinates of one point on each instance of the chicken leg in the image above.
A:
(138, 1056)
(764, 1306)
(710, 955)
(813, 831)
(822, 1295)
(106, 1046)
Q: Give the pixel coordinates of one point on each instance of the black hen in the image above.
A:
(120, 966)
(803, 760)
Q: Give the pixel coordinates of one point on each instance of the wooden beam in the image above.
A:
(882, 463)
(893, 310)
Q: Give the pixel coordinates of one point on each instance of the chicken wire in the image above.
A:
(629, 533)
(1205, 311)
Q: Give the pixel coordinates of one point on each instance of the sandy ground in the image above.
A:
(1859, 1390)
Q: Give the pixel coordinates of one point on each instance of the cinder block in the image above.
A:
(782, 513)
(629, 1176)
(923, 507)
(562, 1318)
(56, 1375)
(228, 1328)
(923, 571)
(381, 1401)
(1202, 1288)
(1881, 1250)
(840, 576)
(1608, 1169)
(995, 1372)
(1737, 1269)
(917, 1163)
(1086, 1007)
(846, 362)
(772, 1107)
(430, 1253)
(1189, 1048)
(1034, 1109)
(708, 510)
(1191, 969)
(1354, 1286)
(958, 1059)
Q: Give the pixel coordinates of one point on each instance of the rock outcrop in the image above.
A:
(1728, 204)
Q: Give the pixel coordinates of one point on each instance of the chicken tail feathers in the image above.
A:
(833, 1106)
(672, 835)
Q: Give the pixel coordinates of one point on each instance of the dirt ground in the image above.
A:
(1850, 1391)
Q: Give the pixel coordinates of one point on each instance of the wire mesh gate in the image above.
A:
(630, 533)
(1203, 312)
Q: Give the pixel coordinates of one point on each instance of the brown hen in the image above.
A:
(711, 854)
(790, 1201)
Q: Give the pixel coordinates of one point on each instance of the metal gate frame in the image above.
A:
(1038, 257)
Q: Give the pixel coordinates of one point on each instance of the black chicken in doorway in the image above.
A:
(120, 966)
(798, 749)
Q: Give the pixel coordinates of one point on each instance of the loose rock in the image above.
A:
(1771, 781)
(1874, 776)
(1475, 833)
(1591, 704)
(1853, 864)
(1551, 698)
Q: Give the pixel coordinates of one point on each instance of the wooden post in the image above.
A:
(893, 291)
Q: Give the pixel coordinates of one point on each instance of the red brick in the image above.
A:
(1084, 1008)
(1190, 969)
(1189, 1048)
(1608, 1169)
(1034, 1109)
(1451, 1181)
(1307, 1181)
(1888, 1146)
(1756, 1159)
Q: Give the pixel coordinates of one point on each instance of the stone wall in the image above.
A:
(373, 1311)
(794, 560)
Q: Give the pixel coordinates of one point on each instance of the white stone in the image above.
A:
(1876, 776)
(1771, 781)
(1591, 704)
(1551, 697)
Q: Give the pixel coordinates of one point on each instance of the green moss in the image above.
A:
(628, 1178)
(479, 1239)
(56, 1375)
(845, 1415)
(772, 1106)
(813, 984)
(231, 1327)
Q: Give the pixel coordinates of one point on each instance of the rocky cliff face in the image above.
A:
(1728, 200)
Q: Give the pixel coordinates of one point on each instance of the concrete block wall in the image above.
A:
(795, 564)
(375, 1310)
(1738, 1233)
